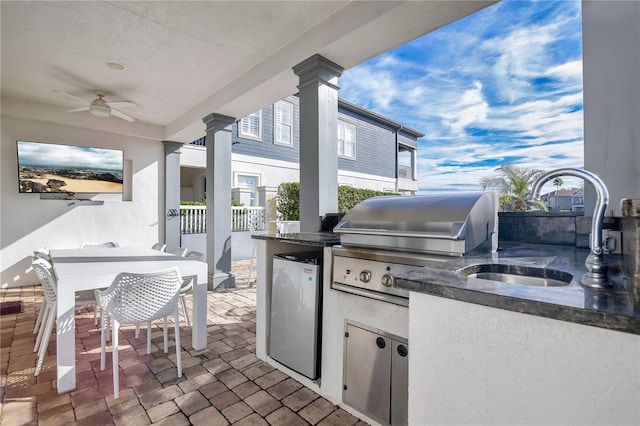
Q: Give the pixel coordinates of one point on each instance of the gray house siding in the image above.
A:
(375, 147)
(407, 140)
(267, 148)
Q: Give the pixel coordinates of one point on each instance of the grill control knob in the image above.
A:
(387, 280)
(365, 276)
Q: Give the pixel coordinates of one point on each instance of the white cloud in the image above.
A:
(567, 71)
(503, 84)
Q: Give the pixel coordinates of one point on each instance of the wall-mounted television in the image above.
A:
(52, 168)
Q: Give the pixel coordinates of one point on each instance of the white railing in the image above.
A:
(405, 172)
(193, 219)
(241, 217)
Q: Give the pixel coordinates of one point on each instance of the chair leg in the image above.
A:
(184, 309)
(114, 356)
(137, 330)
(103, 338)
(148, 337)
(176, 320)
(45, 340)
(45, 318)
(43, 307)
(166, 335)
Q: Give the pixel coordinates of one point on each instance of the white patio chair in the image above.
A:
(187, 283)
(135, 298)
(41, 253)
(48, 309)
(178, 251)
(159, 246)
(43, 271)
(106, 244)
(87, 295)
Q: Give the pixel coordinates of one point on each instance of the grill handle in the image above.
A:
(387, 232)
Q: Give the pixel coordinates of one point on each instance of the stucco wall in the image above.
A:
(29, 222)
(471, 364)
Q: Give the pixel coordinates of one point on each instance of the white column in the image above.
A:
(318, 79)
(219, 200)
(172, 193)
(611, 66)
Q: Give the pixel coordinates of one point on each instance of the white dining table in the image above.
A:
(87, 269)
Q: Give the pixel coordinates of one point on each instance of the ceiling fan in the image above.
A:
(102, 108)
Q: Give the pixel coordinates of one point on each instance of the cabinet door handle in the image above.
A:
(381, 343)
(402, 350)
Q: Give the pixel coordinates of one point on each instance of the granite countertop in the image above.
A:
(607, 308)
(316, 239)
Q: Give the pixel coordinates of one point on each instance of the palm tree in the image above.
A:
(557, 182)
(513, 183)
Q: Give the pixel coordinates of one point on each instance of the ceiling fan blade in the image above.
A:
(78, 109)
(122, 115)
(60, 92)
(121, 104)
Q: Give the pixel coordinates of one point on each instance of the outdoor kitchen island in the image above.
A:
(483, 352)
(486, 352)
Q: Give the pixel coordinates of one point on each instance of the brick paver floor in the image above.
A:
(225, 385)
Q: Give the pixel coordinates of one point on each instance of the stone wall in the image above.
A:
(559, 228)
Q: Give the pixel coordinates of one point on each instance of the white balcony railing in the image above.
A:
(405, 172)
(193, 219)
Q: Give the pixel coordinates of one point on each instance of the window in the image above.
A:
(250, 182)
(251, 126)
(283, 126)
(346, 139)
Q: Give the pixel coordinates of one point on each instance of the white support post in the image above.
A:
(219, 200)
(318, 79)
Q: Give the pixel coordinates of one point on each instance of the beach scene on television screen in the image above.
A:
(44, 167)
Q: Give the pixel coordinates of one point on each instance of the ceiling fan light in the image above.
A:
(100, 110)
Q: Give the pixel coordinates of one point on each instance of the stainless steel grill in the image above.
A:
(450, 225)
(384, 236)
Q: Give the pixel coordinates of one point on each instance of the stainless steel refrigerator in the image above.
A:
(296, 297)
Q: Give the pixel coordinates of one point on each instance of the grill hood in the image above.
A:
(450, 224)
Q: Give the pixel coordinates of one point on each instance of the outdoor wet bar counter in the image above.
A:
(489, 351)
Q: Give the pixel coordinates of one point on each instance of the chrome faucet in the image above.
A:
(597, 269)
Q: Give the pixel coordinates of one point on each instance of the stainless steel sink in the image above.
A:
(517, 274)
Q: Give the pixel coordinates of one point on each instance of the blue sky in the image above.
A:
(502, 85)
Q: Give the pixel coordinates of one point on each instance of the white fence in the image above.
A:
(193, 219)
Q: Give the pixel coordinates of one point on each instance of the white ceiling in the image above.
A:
(185, 60)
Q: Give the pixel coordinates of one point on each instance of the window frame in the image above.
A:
(344, 123)
(277, 123)
(243, 134)
(254, 195)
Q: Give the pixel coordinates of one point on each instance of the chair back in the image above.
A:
(179, 251)
(136, 298)
(44, 271)
(41, 253)
(194, 255)
(106, 244)
(159, 246)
